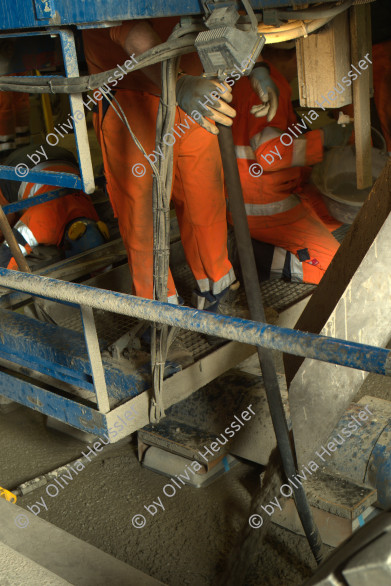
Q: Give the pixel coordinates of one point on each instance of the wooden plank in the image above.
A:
(361, 42)
(333, 530)
(323, 58)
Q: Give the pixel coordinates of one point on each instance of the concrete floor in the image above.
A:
(185, 544)
(188, 543)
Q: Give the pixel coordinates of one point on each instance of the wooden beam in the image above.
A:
(361, 45)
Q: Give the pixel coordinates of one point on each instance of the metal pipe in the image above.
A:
(255, 304)
(45, 177)
(24, 204)
(336, 351)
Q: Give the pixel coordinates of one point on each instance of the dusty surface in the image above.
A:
(187, 543)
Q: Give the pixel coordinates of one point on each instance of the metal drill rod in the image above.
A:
(255, 304)
(18, 256)
(12, 243)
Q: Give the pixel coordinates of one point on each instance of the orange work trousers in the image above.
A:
(312, 198)
(299, 229)
(14, 120)
(197, 193)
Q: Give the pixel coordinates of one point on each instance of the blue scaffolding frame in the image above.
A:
(71, 364)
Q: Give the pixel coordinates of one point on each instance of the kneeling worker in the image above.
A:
(282, 210)
(69, 222)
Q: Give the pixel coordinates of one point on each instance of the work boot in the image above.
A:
(208, 301)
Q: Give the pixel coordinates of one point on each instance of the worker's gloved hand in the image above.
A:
(192, 92)
(335, 134)
(266, 90)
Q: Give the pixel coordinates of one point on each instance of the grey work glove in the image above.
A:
(192, 92)
(266, 90)
(335, 134)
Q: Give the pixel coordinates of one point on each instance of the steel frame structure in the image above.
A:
(32, 360)
(34, 354)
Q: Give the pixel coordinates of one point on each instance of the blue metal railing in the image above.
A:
(318, 347)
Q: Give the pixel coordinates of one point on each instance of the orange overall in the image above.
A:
(45, 223)
(14, 121)
(281, 209)
(198, 189)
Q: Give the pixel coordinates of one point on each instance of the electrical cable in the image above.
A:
(291, 31)
(251, 15)
(300, 28)
(314, 13)
(122, 117)
(162, 335)
(60, 85)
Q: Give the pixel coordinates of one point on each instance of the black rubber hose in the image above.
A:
(255, 305)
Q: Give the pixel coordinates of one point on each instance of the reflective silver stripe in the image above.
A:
(203, 285)
(244, 152)
(268, 134)
(299, 152)
(173, 299)
(26, 233)
(6, 137)
(22, 140)
(4, 146)
(270, 209)
(22, 248)
(223, 283)
(296, 269)
(216, 286)
(46, 166)
(278, 263)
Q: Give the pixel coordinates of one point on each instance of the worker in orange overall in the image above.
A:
(14, 121)
(198, 189)
(14, 111)
(69, 222)
(288, 221)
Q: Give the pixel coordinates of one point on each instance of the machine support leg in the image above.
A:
(11, 241)
(93, 350)
(255, 303)
(76, 102)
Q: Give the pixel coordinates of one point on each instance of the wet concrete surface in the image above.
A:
(187, 543)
